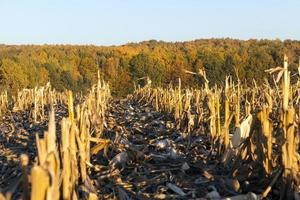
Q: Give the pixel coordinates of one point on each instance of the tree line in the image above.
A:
(75, 67)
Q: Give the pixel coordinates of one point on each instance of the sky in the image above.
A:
(115, 22)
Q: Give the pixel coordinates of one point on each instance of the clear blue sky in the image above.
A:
(112, 22)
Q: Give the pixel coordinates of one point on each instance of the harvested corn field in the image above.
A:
(233, 142)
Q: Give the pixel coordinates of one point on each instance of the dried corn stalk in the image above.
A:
(253, 109)
(3, 103)
(62, 169)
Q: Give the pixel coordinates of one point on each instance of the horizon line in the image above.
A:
(142, 41)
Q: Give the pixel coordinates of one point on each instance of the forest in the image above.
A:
(75, 67)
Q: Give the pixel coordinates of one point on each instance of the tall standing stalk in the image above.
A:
(237, 106)
(227, 114)
(291, 141)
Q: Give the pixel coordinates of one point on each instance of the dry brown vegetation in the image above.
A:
(264, 144)
(232, 142)
(61, 165)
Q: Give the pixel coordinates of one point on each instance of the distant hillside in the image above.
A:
(75, 67)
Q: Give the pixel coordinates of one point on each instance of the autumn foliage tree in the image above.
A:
(75, 67)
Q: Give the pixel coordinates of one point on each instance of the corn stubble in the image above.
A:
(254, 131)
(263, 138)
(61, 170)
